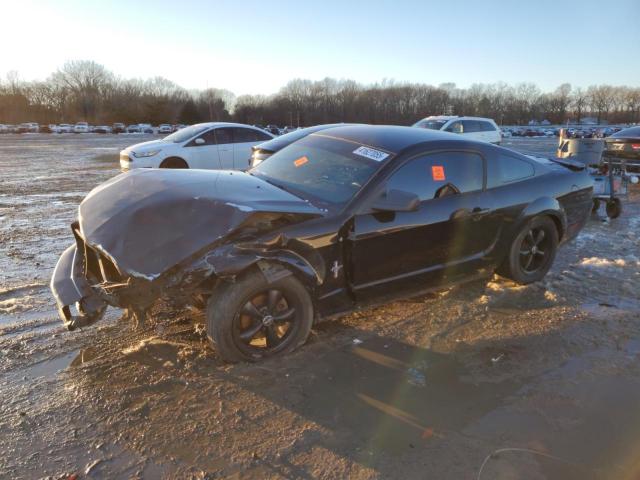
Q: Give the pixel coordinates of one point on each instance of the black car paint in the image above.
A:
(346, 259)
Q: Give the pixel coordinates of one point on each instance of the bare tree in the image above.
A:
(85, 90)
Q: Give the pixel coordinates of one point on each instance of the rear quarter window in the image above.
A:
(487, 126)
(503, 169)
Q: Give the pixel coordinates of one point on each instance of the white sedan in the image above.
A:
(215, 146)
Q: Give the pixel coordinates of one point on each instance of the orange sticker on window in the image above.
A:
(301, 161)
(437, 172)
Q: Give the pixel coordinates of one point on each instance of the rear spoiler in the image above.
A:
(571, 164)
(574, 165)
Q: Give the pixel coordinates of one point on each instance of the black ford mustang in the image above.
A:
(342, 218)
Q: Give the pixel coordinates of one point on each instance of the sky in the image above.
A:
(255, 47)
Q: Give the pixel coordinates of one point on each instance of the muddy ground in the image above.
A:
(489, 380)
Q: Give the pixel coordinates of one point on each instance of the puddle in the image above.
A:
(50, 367)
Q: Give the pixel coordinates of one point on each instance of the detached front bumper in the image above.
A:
(71, 289)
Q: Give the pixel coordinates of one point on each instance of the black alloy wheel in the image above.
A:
(264, 322)
(251, 318)
(534, 250)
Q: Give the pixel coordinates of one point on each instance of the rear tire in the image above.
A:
(596, 205)
(532, 252)
(614, 208)
(252, 319)
(174, 162)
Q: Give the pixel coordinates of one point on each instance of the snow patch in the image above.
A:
(597, 262)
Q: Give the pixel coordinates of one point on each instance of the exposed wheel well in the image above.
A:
(174, 162)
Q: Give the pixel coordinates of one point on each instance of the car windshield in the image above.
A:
(325, 170)
(430, 124)
(186, 133)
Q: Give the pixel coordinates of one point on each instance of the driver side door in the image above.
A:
(225, 139)
(446, 236)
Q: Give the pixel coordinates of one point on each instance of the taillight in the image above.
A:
(635, 146)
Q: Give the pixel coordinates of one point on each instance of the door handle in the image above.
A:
(475, 214)
(478, 212)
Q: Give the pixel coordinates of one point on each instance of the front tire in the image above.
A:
(532, 252)
(251, 319)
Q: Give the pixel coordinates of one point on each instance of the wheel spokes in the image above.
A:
(539, 237)
(270, 318)
(285, 315)
(528, 262)
(530, 238)
(251, 310)
(274, 298)
(251, 332)
(272, 336)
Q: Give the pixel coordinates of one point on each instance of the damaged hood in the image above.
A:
(148, 220)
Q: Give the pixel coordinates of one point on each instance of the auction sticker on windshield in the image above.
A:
(371, 153)
(437, 172)
(300, 161)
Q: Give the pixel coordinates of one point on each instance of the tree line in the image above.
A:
(86, 91)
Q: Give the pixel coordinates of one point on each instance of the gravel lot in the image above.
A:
(489, 380)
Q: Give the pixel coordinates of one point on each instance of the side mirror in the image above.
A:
(199, 141)
(396, 201)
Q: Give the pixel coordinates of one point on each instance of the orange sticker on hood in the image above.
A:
(301, 161)
(437, 172)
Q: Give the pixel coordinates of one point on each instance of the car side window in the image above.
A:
(455, 127)
(208, 137)
(486, 126)
(503, 169)
(244, 135)
(224, 135)
(261, 136)
(439, 174)
(471, 126)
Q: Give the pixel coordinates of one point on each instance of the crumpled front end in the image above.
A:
(143, 235)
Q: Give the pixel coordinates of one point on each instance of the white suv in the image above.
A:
(476, 128)
(214, 145)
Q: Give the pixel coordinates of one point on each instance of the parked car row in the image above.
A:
(84, 127)
(570, 132)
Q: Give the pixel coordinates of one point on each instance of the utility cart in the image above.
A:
(610, 177)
